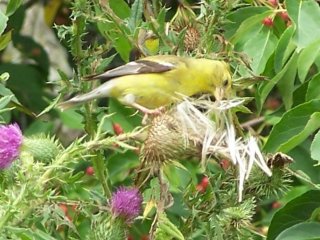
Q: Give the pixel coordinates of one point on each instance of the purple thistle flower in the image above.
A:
(10, 142)
(126, 203)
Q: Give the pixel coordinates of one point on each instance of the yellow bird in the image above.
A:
(156, 81)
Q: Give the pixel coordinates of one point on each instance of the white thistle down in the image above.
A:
(213, 125)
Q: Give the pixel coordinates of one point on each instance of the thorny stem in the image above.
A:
(27, 212)
(90, 146)
(68, 154)
(10, 212)
(90, 120)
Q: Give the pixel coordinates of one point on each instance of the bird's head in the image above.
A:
(221, 80)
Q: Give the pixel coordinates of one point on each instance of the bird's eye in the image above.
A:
(225, 82)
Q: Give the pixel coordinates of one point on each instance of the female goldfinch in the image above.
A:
(156, 81)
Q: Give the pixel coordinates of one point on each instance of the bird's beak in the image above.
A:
(219, 93)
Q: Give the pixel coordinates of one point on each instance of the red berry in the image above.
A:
(200, 188)
(273, 3)
(64, 208)
(276, 205)
(90, 170)
(284, 15)
(129, 237)
(268, 21)
(225, 164)
(272, 103)
(117, 128)
(205, 182)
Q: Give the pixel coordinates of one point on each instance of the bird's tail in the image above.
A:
(99, 92)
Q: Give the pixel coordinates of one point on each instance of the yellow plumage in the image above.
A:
(156, 81)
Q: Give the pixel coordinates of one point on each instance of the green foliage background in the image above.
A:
(99, 35)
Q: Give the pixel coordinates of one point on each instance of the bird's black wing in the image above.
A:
(136, 67)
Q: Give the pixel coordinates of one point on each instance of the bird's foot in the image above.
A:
(148, 111)
(153, 112)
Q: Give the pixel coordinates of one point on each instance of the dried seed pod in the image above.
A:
(166, 141)
(191, 39)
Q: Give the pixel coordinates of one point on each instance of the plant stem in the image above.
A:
(9, 213)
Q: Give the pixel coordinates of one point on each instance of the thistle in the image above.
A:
(126, 203)
(217, 131)
(41, 147)
(10, 143)
(211, 132)
(165, 143)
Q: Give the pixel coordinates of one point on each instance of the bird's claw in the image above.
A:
(154, 112)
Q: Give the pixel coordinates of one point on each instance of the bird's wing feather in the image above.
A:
(137, 67)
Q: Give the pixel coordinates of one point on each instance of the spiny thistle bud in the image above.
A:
(166, 141)
(126, 203)
(103, 226)
(10, 142)
(280, 181)
(235, 219)
(41, 147)
(191, 39)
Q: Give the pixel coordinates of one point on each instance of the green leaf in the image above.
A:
(296, 211)
(286, 83)
(246, 27)
(39, 127)
(14, 101)
(5, 39)
(120, 8)
(3, 22)
(71, 118)
(307, 58)
(260, 47)
(300, 93)
(29, 47)
(265, 88)
(167, 230)
(284, 49)
(4, 101)
(315, 147)
(294, 127)
(235, 18)
(306, 16)
(26, 81)
(304, 163)
(51, 105)
(12, 6)
(119, 165)
(136, 14)
(16, 20)
(105, 63)
(119, 41)
(7, 92)
(124, 115)
(313, 91)
(301, 231)
(24, 233)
